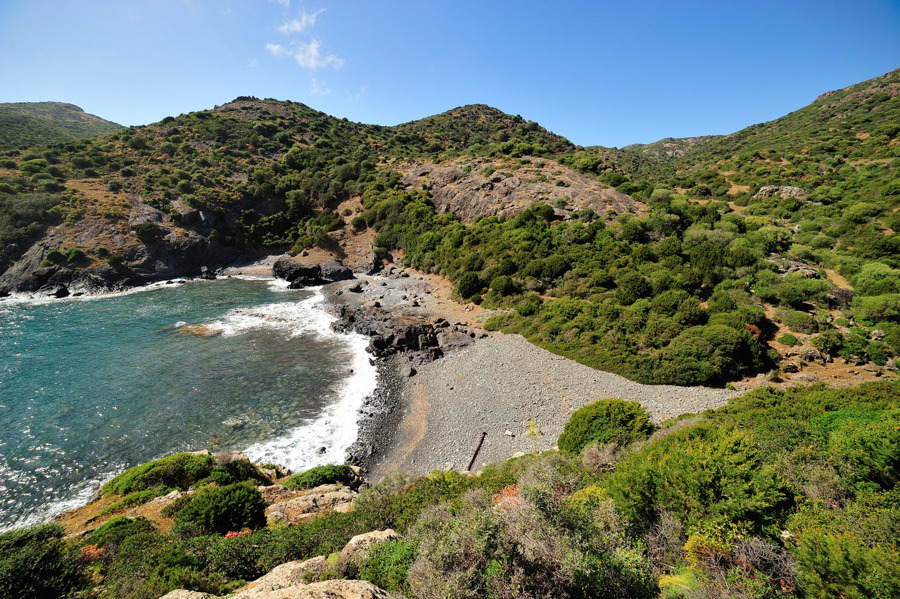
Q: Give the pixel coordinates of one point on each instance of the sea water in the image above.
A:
(91, 386)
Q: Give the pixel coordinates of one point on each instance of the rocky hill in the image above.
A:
(704, 260)
(25, 124)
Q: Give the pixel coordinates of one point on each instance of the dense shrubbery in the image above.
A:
(35, 564)
(780, 493)
(223, 509)
(178, 471)
(321, 475)
(609, 420)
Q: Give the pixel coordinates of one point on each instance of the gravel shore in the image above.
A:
(498, 386)
(495, 384)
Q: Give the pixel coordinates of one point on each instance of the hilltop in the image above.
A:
(25, 124)
(771, 251)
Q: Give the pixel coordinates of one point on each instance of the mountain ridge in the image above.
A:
(812, 192)
(24, 124)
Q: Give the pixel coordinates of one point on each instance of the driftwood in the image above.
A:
(477, 449)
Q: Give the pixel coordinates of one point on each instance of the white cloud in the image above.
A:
(284, 3)
(300, 25)
(277, 49)
(307, 55)
(318, 88)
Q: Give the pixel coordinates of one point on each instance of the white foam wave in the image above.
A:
(337, 428)
(73, 500)
(295, 318)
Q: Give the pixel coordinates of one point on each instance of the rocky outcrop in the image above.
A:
(476, 193)
(292, 580)
(787, 266)
(328, 589)
(183, 594)
(422, 338)
(785, 192)
(308, 504)
(357, 549)
(300, 275)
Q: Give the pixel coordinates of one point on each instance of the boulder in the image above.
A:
(334, 270)
(328, 589)
(304, 507)
(182, 594)
(285, 576)
(293, 271)
(223, 457)
(357, 548)
(785, 192)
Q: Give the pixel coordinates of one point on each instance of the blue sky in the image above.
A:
(601, 72)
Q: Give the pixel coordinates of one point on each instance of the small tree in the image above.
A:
(469, 284)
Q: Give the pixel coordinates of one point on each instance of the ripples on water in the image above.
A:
(89, 387)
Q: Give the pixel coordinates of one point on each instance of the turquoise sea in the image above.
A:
(91, 386)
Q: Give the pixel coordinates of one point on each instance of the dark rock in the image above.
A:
(207, 274)
(13, 251)
(61, 291)
(334, 270)
(840, 297)
(291, 270)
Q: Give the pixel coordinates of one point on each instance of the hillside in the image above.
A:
(771, 251)
(25, 124)
(779, 494)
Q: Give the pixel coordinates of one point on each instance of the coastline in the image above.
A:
(433, 403)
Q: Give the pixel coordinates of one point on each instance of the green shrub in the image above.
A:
(75, 255)
(222, 510)
(34, 563)
(56, 257)
(149, 565)
(238, 558)
(387, 565)
(829, 342)
(789, 340)
(469, 284)
(799, 322)
(115, 259)
(236, 471)
(135, 499)
(149, 232)
(114, 185)
(118, 529)
(703, 473)
(503, 285)
(842, 566)
(321, 475)
(608, 420)
(177, 471)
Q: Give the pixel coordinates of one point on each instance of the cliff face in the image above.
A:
(113, 257)
(482, 187)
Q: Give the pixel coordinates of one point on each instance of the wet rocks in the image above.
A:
(421, 337)
(305, 275)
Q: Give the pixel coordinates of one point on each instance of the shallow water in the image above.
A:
(89, 387)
